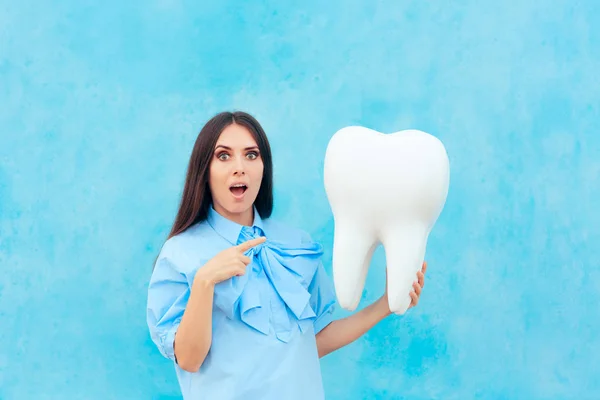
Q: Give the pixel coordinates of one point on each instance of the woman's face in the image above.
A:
(235, 175)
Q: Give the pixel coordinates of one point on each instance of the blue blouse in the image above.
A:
(264, 322)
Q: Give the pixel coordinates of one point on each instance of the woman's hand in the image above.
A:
(418, 286)
(228, 263)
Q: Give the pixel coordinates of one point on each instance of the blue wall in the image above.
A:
(100, 106)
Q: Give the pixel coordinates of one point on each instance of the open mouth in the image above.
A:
(238, 189)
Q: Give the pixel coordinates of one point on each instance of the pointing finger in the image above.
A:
(251, 243)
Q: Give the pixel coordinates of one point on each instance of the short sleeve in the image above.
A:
(168, 294)
(322, 298)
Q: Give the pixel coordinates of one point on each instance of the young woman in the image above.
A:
(239, 302)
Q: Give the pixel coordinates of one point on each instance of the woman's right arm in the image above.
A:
(193, 337)
(180, 317)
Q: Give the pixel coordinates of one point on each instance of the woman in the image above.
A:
(239, 302)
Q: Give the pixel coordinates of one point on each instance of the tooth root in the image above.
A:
(404, 252)
(352, 252)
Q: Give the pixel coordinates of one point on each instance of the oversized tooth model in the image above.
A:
(384, 189)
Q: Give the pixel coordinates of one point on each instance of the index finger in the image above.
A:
(251, 243)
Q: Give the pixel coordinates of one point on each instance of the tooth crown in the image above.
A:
(408, 169)
(388, 189)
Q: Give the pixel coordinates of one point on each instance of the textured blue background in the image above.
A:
(99, 109)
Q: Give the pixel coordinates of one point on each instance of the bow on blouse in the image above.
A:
(290, 268)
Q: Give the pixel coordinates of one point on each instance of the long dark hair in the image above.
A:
(196, 198)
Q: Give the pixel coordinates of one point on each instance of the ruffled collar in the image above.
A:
(290, 267)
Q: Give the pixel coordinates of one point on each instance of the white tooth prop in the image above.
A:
(384, 189)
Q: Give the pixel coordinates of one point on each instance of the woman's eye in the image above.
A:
(222, 156)
(253, 155)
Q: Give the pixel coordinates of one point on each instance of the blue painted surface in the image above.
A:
(100, 106)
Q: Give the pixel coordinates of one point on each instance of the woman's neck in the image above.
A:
(245, 218)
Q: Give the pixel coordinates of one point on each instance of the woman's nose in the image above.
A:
(239, 167)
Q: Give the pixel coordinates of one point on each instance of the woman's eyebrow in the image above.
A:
(229, 148)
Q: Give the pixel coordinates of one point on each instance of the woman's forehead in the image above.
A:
(236, 136)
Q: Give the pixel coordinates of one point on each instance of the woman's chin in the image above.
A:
(237, 209)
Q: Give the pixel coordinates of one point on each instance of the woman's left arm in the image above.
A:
(344, 331)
